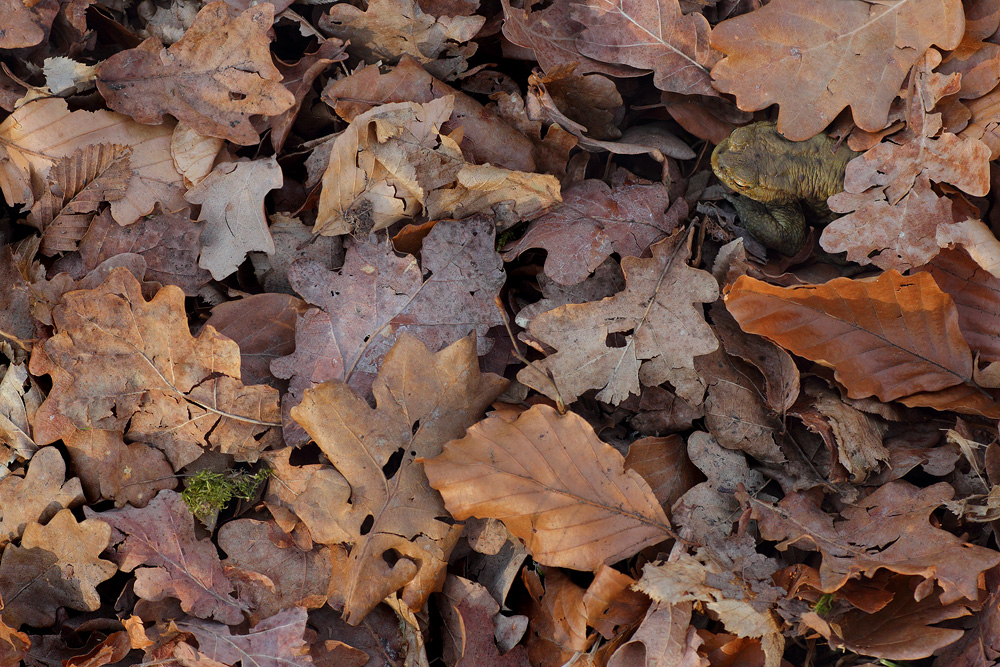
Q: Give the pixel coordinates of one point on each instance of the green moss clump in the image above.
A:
(208, 492)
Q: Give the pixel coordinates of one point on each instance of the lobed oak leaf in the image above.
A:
(38, 496)
(595, 221)
(214, 78)
(976, 238)
(110, 469)
(36, 135)
(889, 529)
(77, 185)
(272, 573)
(159, 539)
(888, 337)
(168, 242)
(556, 487)
(391, 514)
(815, 59)
(26, 24)
(375, 296)
(232, 206)
(56, 565)
(389, 29)
(119, 362)
(649, 333)
(293, 240)
(274, 642)
(983, 123)
(665, 637)
(14, 645)
(650, 36)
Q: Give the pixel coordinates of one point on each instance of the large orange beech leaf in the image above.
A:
(119, 362)
(423, 400)
(650, 35)
(554, 484)
(889, 529)
(889, 337)
(214, 78)
(43, 130)
(813, 59)
(650, 332)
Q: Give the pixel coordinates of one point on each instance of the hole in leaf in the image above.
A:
(367, 524)
(392, 465)
(390, 556)
(615, 339)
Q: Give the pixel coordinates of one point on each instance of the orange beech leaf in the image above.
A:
(118, 361)
(384, 506)
(889, 337)
(56, 565)
(813, 59)
(555, 486)
(653, 35)
(889, 529)
(214, 78)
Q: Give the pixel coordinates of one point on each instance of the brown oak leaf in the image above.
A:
(423, 400)
(56, 565)
(110, 469)
(596, 220)
(554, 484)
(232, 206)
(889, 529)
(274, 642)
(214, 78)
(814, 59)
(37, 496)
(649, 333)
(653, 36)
(159, 540)
(120, 362)
(26, 24)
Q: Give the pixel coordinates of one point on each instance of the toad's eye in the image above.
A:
(740, 182)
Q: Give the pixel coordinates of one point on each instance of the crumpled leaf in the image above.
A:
(700, 578)
(77, 184)
(595, 221)
(393, 160)
(666, 638)
(889, 529)
(39, 133)
(56, 565)
(389, 29)
(274, 642)
(423, 400)
(554, 484)
(650, 36)
(159, 540)
(814, 59)
(20, 396)
(365, 305)
(232, 205)
(214, 78)
(659, 331)
(38, 495)
(119, 361)
(888, 337)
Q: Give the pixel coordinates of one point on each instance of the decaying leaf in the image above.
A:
(423, 400)
(214, 78)
(36, 497)
(649, 333)
(889, 529)
(555, 486)
(273, 642)
(110, 469)
(814, 59)
(118, 361)
(232, 205)
(159, 539)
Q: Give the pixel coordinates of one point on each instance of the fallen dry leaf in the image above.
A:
(159, 539)
(813, 60)
(665, 638)
(653, 36)
(36, 497)
(423, 400)
(119, 361)
(232, 206)
(56, 565)
(110, 469)
(273, 642)
(518, 472)
(659, 331)
(595, 221)
(889, 529)
(230, 61)
(888, 337)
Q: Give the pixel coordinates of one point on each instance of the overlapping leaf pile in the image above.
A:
(457, 279)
